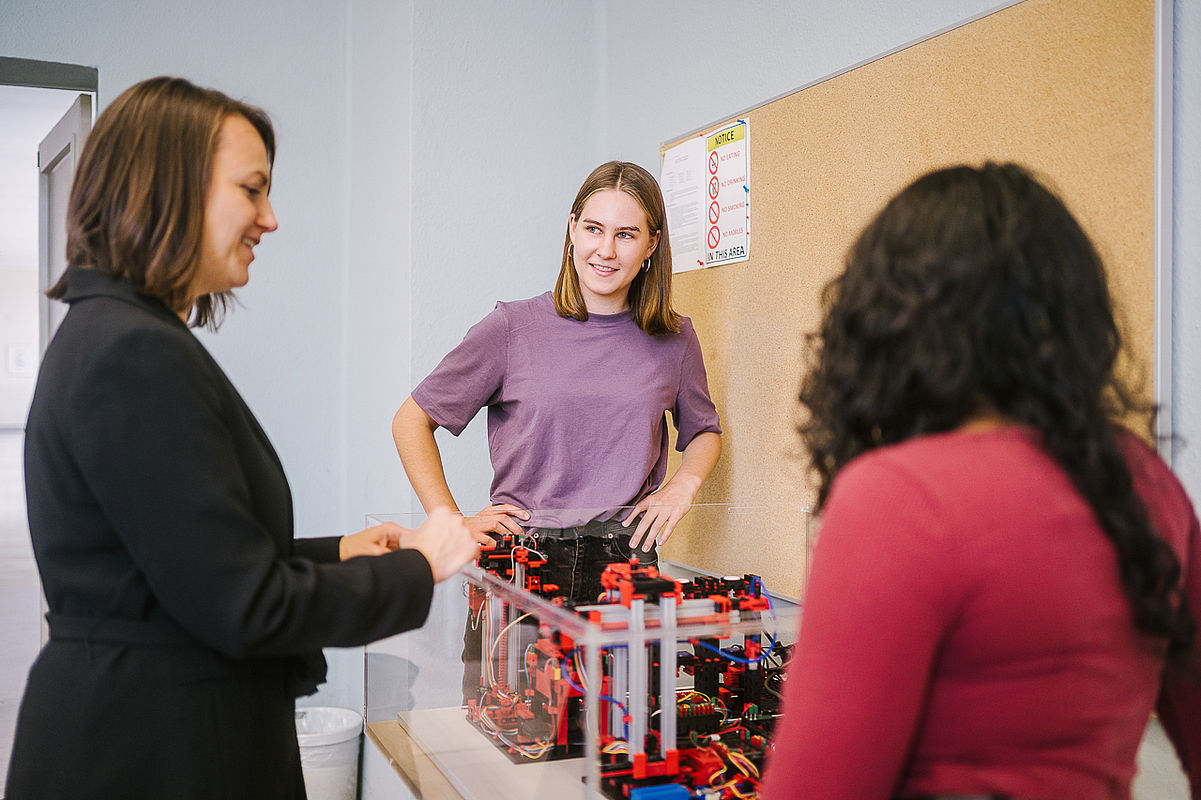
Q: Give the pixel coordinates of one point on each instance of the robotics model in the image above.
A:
(681, 715)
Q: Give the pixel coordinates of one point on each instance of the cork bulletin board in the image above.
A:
(1065, 87)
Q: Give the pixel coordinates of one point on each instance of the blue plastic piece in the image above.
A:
(663, 791)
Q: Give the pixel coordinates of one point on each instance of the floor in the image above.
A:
(20, 595)
(1159, 775)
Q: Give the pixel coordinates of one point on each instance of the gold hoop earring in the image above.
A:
(570, 250)
(646, 265)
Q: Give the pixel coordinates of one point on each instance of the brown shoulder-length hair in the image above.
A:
(137, 203)
(650, 293)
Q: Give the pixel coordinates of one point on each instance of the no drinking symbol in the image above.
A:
(714, 209)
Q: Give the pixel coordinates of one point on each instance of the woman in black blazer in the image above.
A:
(184, 618)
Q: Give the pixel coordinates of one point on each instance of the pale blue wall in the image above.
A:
(1186, 220)
(671, 73)
(284, 348)
(506, 123)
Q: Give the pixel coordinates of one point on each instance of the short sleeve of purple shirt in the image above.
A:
(468, 377)
(576, 410)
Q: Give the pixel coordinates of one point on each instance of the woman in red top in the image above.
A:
(1004, 586)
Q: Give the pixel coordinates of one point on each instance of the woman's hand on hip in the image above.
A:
(496, 519)
(658, 514)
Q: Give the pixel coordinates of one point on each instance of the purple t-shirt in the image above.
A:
(575, 409)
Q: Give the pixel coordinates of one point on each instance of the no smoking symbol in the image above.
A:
(714, 237)
(714, 212)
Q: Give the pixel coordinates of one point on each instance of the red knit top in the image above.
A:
(965, 630)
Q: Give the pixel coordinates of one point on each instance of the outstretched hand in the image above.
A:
(373, 541)
(444, 540)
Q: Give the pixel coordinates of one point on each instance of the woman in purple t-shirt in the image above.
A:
(577, 383)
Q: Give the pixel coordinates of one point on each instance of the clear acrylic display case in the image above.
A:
(570, 699)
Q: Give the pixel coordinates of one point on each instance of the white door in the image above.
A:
(56, 165)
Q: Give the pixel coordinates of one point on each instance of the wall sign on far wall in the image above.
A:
(708, 198)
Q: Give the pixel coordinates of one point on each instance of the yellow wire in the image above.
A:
(743, 763)
(739, 794)
(579, 670)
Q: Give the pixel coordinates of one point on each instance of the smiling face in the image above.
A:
(236, 212)
(610, 240)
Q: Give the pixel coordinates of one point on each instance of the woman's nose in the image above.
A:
(608, 248)
(267, 220)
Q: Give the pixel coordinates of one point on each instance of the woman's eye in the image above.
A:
(592, 229)
(252, 191)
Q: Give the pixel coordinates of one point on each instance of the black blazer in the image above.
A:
(183, 614)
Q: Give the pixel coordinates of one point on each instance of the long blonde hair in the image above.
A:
(650, 291)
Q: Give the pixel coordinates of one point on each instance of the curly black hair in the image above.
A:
(975, 291)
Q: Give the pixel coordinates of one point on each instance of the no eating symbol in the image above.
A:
(713, 163)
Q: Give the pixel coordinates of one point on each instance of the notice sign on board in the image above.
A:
(728, 212)
(705, 189)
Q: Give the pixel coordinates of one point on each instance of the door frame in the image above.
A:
(62, 142)
(48, 74)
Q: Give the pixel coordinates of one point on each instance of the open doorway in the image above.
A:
(33, 97)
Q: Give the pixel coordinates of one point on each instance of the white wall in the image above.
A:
(470, 127)
(671, 73)
(1186, 220)
(507, 123)
(378, 215)
(284, 349)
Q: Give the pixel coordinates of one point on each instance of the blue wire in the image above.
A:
(757, 581)
(582, 690)
(772, 610)
(732, 657)
(570, 682)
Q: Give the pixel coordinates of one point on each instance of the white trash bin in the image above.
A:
(329, 751)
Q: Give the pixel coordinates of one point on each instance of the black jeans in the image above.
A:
(575, 559)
